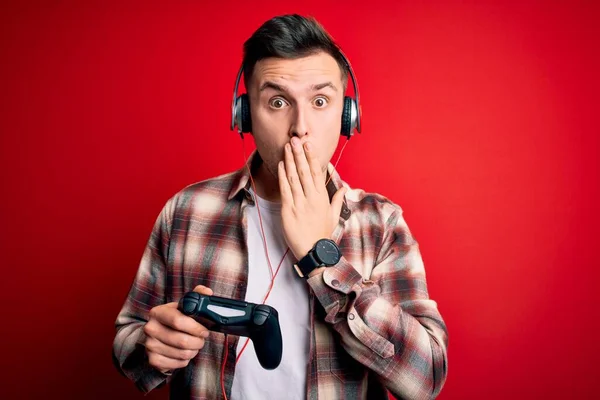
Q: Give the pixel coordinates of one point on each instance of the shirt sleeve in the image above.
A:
(387, 322)
(146, 292)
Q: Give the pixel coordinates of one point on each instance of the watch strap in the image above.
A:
(307, 264)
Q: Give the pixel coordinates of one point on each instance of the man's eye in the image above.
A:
(320, 102)
(278, 103)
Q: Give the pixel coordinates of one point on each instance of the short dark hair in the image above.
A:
(290, 36)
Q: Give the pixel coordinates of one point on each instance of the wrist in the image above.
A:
(301, 252)
(303, 249)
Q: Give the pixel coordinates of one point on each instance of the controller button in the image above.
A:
(260, 316)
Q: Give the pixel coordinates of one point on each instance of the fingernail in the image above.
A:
(295, 141)
(287, 147)
(308, 146)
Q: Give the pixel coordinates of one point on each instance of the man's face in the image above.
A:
(299, 97)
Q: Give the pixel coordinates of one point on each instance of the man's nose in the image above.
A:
(299, 125)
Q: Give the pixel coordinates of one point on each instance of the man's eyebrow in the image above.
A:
(272, 85)
(323, 85)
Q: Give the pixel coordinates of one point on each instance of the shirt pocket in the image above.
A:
(342, 366)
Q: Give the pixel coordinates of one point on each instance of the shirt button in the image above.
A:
(350, 316)
(335, 283)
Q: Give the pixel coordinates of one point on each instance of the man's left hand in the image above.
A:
(306, 213)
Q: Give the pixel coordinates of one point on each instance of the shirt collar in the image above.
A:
(242, 181)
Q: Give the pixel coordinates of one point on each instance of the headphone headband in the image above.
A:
(235, 89)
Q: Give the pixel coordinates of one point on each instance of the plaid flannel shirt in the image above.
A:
(373, 325)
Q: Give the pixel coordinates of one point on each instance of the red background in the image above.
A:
(480, 120)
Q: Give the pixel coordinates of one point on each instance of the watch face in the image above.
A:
(327, 252)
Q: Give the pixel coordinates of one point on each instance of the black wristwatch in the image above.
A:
(325, 253)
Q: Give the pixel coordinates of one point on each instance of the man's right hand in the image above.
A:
(172, 338)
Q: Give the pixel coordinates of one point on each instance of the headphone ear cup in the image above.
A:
(245, 120)
(348, 116)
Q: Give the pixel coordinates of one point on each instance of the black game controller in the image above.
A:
(259, 322)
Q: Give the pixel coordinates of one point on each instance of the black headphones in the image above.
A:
(240, 108)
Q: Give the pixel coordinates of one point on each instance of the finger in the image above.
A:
(156, 346)
(292, 175)
(336, 203)
(302, 166)
(203, 290)
(172, 337)
(315, 166)
(165, 363)
(284, 186)
(177, 321)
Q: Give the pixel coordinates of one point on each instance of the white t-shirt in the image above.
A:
(289, 297)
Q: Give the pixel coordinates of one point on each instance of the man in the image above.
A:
(350, 330)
